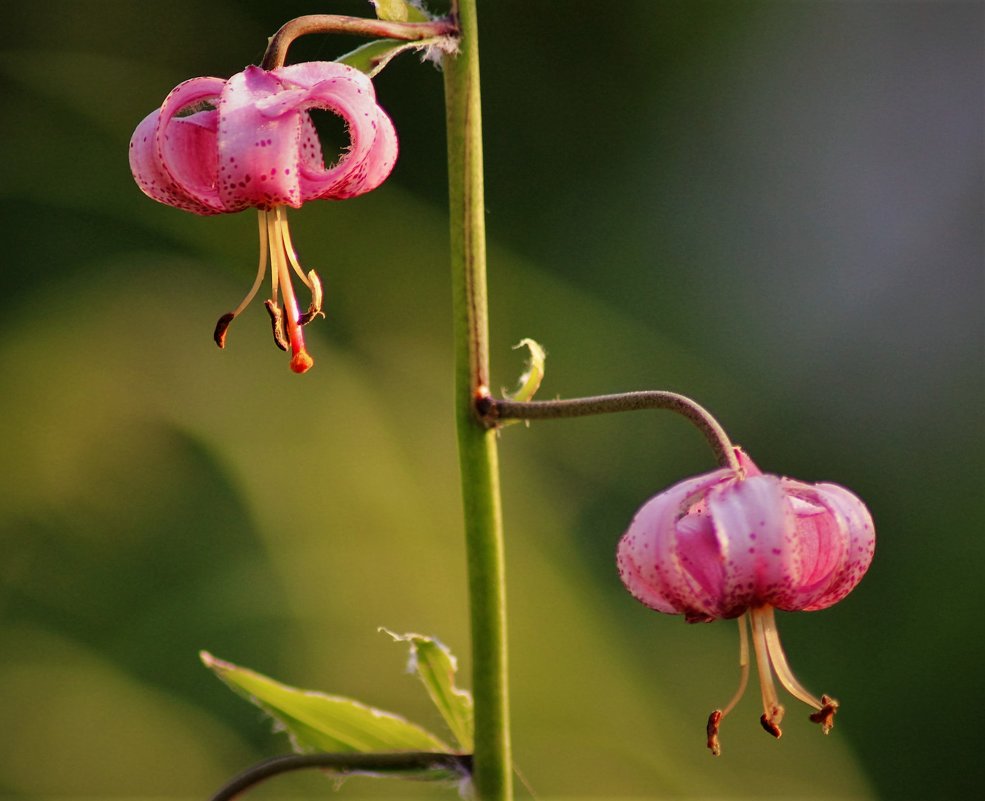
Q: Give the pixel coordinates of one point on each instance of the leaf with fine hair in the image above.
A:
(319, 722)
(372, 57)
(436, 667)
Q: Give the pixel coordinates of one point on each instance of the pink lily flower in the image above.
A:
(739, 544)
(218, 146)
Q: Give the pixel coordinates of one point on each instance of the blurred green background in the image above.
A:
(775, 207)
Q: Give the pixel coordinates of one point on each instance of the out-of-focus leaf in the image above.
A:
(320, 722)
(399, 11)
(436, 666)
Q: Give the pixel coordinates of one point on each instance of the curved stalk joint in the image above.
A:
(490, 411)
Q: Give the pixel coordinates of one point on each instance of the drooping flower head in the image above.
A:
(217, 146)
(739, 544)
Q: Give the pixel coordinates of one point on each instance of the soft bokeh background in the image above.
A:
(773, 206)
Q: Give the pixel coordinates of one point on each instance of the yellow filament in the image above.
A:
(743, 666)
(292, 256)
(771, 703)
(261, 269)
(780, 664)
(280, 272)
(276, 254)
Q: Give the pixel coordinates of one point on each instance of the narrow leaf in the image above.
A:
(320, 722)
(372, 57)
(436, 667)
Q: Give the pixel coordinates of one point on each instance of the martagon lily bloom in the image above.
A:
(217, 146)
(739, 544)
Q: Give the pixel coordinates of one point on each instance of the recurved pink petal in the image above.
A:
(820, 541)
(857, 533)
(700, 555)
(649, 556)
(186, 146)
(372, 149)
(755, 530)
(147, 169)
(379, 163)
(258, 142)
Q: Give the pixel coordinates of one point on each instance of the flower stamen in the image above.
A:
(301, 362)
(310, 280)
(224, 322)
(716, 717)
(826, 706)
(826, 714)
(779, 661)
(772, 710)
(292, 255)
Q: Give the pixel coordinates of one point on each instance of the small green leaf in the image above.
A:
(319, 722)
(436, 667)
(533, 375)
(374, 56)
(400, 11)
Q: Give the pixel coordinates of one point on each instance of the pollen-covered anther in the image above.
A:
(221, 326)
(276, 324)
(771, 723)
(315, 307)
(826, 714)
(714, 721)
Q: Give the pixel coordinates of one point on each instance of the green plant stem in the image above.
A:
(493, 774)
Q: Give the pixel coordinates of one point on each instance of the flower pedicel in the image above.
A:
(220, 146)
(739, 544)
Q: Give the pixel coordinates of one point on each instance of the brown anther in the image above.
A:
(276, 323)
(770, 726)
(219, 335)
(310, 315)
(714, 720)
(826, 714)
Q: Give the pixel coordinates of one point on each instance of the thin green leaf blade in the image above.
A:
(436, 666)
(320, 722)
(372, 57)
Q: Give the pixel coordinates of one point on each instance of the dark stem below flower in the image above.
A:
(398, 762)
(358, 26)
(491, 410)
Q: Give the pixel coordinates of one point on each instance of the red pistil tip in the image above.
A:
(301, 362)
(714, 720)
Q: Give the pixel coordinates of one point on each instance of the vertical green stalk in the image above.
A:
(478, 459)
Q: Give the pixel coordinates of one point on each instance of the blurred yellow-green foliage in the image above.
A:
(773, 206)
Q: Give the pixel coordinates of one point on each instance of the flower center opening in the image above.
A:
(333, 135)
